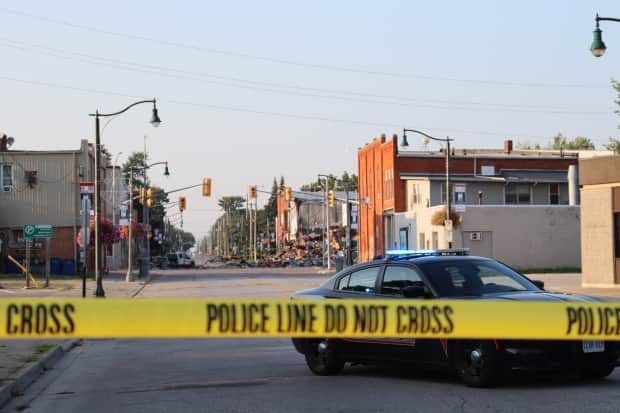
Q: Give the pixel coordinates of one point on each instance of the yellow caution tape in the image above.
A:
(127, 318)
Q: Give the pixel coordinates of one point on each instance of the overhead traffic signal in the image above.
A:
(252, 191)
(206, 186)
(330, 198)
(142, 195)
(182, 203)
(149, 197)
(288, 193)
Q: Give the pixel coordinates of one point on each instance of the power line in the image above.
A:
(268, 59)
(294, 90)
(267, 113)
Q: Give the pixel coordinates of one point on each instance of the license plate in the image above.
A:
(593, 346)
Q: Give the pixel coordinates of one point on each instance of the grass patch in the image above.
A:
(42, 348)
(557, 270)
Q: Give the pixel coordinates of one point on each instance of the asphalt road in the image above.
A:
(267, 375)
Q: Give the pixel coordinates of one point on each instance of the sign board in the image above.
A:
(124, 219)
(459, 207)
(448, 224)
(37, 231)
(87, 187)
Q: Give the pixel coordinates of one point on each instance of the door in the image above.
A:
(424, 351)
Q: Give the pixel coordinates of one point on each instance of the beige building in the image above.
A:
(600, 223)
(43, 187)
(519, 216)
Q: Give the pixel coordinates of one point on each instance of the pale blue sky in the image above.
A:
(222, 73)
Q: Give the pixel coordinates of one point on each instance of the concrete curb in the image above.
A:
(25, 376)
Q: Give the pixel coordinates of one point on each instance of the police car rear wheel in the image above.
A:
(321, 358)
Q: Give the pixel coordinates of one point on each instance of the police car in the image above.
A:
(452, 274)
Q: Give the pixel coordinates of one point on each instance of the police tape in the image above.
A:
(162, 318)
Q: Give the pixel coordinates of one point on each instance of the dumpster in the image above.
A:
(68, 267)
(55, 266)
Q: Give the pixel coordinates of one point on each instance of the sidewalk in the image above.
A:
(22, 361)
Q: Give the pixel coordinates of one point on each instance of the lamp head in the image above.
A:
(155, 121)
(425, 140)
(598, 47)
(166, 171)
(404, 142)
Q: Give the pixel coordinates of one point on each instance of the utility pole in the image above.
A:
(129, 276)
(255, 207)
(328, 248)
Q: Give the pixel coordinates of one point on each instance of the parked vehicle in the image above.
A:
(442, 274)
(180, 259)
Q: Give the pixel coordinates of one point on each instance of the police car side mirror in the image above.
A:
(539, 284)
(416, 291)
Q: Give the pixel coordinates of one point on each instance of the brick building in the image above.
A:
(400, 189)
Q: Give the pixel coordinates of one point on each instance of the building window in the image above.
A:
(554, 194)
(435, 240)
(388, 184)
(421, 240)
(617, 233)
(517, 194)
(7, 177)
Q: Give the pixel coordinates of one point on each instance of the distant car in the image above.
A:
(450, 274)
(180, 259)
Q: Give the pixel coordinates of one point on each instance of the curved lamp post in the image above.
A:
(155, 121)
(129, 275)
(598, 46)
(447, 141)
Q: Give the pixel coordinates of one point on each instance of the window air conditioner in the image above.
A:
(475, 236)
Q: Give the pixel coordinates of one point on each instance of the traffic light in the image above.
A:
(252, 191)
(288, 193)
(206, 186)
(142, 195)
(149, 197)
(182, 203)
(330, 198)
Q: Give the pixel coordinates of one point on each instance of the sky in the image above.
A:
(248, 91)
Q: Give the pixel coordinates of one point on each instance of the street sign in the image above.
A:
(87, 187)
(37, 231)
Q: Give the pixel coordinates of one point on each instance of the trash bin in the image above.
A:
(144, 267)
(68, 267)
(55, 266)
(339, 261)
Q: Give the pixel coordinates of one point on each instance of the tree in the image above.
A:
(345, 183)
(272, 204)
(562, 143)
(282, 183)
(137, 162)
(613, 145)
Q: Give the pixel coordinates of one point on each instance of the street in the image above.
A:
(267, 375)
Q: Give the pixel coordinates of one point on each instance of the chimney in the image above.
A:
(4, 143)
(383, 138)
(508, 146)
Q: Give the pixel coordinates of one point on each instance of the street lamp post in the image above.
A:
(146, 216)
(326, 237)
(598, 46)
(447, 141)
(155, 121)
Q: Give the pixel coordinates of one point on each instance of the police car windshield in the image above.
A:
(471, 277)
